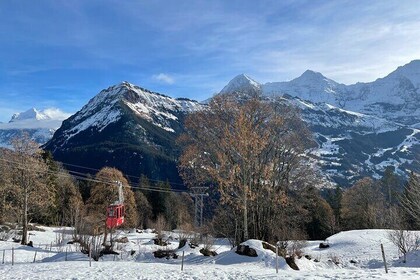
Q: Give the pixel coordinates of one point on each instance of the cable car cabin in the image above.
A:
(115, 215)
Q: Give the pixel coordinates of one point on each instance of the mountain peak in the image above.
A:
(125, 84)
(410, 71)
(241, 82)
(311, 75)
(32, 114)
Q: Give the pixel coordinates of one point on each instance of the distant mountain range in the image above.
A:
(395, 97)
(39, 125)
(360, 129)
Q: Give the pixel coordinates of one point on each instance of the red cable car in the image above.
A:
(115, 215)
(116, 211)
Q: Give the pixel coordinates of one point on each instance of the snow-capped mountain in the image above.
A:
(127, 127)
(360, 129)
(39, 125)
(31, 114)
(241, 83)
(312, 86)
(395, 97)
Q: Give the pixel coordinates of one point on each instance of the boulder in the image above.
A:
(207, 252)
(245, 250)
(165, 254)
(323, 245)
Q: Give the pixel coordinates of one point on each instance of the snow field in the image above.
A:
(362, 247)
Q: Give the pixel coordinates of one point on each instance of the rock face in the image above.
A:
(126, 127)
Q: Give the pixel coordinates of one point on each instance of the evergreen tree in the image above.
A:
(144, 209)
(390, 186)
(334, 198)
(410, 200)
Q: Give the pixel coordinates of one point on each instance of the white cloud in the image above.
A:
(165, 78)
(56, 114)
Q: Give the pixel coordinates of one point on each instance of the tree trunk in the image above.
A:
(246, 235)
(25, 220)
(106, 235)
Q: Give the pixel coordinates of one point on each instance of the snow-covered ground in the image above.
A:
(356, 255)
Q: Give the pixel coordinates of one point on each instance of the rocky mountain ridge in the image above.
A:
(127, 127)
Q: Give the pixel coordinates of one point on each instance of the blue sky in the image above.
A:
(61, 53)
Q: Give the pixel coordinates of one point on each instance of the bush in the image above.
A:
(6, 233)
(406, 241)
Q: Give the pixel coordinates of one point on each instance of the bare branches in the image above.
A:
(251, 149)
(406, 241)
(410, 199)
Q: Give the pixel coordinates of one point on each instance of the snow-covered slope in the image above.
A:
(128, 127)
(108, 107)
(39, 125)
(312, 86)
(352, 145)
(241, 83)
(31, 114)
(395, 97)
(352, 255)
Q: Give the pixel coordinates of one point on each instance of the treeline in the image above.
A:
(389, 202)
(36, 189)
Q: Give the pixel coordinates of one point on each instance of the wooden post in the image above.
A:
(35, 256)
(4, 252)
(90, 257)
(13, 256)
(114, 258)
(277, 258)
(383, 256)
(66, 254)
(182, 261)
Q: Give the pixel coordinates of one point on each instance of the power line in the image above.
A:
(127, 175)
(83, 176)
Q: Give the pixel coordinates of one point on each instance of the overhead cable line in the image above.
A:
(84, 177)
(127, 175)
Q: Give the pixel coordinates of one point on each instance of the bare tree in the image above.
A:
(252, 150)
(405, 240)
(28, 180)
(363, 206)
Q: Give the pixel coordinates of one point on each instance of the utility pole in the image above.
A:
(199, 193)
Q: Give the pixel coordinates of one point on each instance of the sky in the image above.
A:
(60, 54)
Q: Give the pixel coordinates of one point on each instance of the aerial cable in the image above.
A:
(85, 178)
(127, 175)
